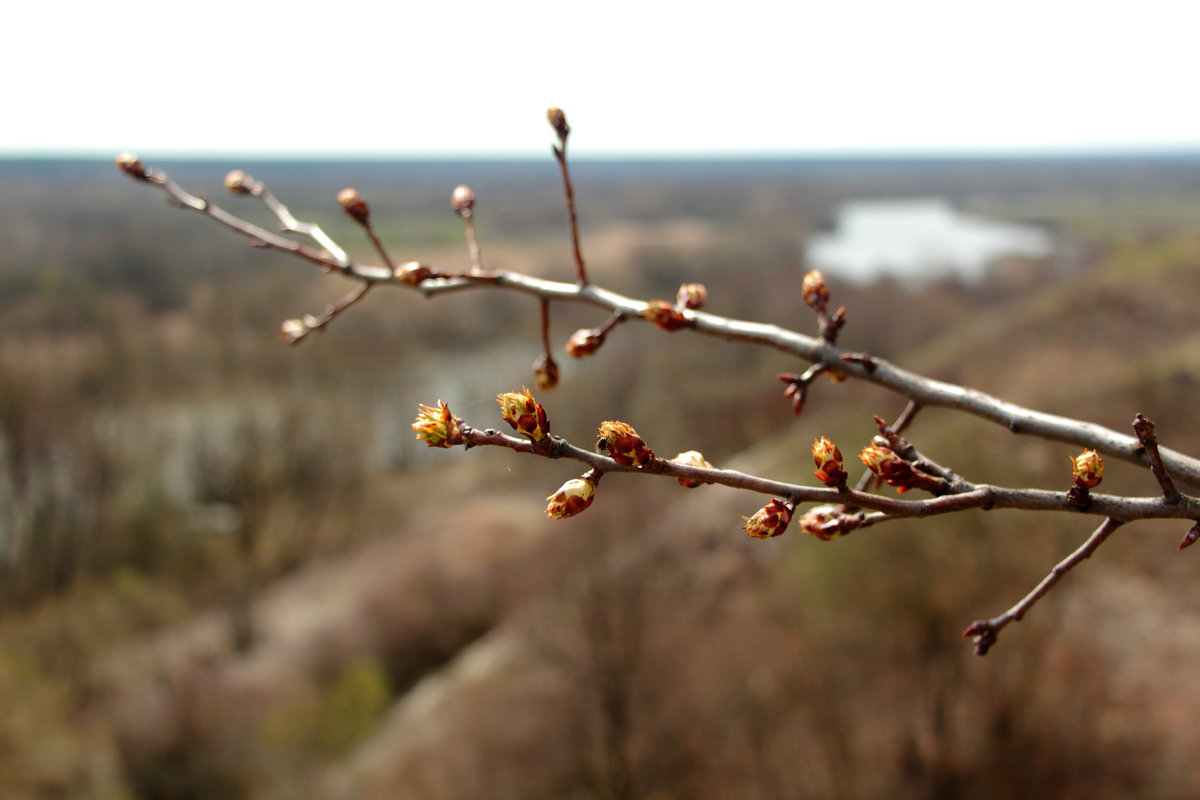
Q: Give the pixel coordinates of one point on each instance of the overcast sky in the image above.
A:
(467, 77)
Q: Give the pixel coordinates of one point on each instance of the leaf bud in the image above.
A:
(816, 293)
(828, 459)
(572, 497)
(463, 201)
(413, 272)
(664, 315)
(355, 206)
(238, 182)
(293, 330)
(545, 369)
(691, 295)
(524, 414)
(691, 458)
(558, 121)
(623, 444)
(769, 521)
(584, 342)
(132, 166)
(1087, 469)
(829, 522)
(437, 427)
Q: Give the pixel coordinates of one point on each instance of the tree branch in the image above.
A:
(984, 632)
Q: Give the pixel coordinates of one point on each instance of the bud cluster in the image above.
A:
(769, 521)
(691, 458)
(623, 444)
(893, 469)
(437, 427)
(524, 414)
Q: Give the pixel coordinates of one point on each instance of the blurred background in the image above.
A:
(227, 569)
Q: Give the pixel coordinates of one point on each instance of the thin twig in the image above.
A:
(289, 223)
(560, 155)
(984, 632)
(312, 322)
(1144, 428)
(980, 497)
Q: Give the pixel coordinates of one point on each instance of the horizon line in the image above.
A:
(914, 154)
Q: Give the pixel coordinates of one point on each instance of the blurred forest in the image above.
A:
(228, 570)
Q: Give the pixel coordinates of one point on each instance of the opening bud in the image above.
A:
(664, 315)
(132, 166)
(897, 472)
(414, 272)
(437, 427)
(558, 121)
(816, 293)
(691, 458)
(691, 295)
(355, 206)
(238, 182)
(769, 521)
(524, 414)
(572, 497)
(623, 444)
(545, 369)
(584, 342)
(463, 201)
(1087, 469)
(828, 459)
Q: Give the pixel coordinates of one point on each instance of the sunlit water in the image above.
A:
(919, 237)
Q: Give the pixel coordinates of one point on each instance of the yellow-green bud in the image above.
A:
(572, 497)
(623, 444)
(769, 521)
(1087, 469)
(524, 414)
(691, 458)
(437, 427)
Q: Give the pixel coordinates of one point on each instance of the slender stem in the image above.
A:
(473, 245)
(546, 327)
(379, 248)
(984, 632)
(332, 311)
(560, 155)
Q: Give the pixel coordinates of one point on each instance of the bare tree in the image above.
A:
(889, 457)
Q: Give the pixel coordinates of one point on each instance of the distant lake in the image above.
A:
(919, 237)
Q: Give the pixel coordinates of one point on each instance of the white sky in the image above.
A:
(459, 77)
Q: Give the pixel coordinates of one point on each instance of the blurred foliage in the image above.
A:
(174, 482)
